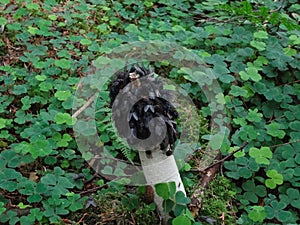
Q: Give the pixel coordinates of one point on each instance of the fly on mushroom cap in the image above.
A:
(145, 109)
(134, 76)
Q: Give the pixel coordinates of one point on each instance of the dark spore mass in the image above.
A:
(144, 110)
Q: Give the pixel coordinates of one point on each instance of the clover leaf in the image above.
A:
(238, 91)
(286, 151)
(3, 21)
(62, 118)
(295, 125)
(257, 214)
(253, 191)
(259, 45)
(181, 220)
(254, 115)
(86, 128)
(261, 34)
(2, 208)
(261, 155)
(275, 179)
(57, 183)
(274, 130)
(251, 72)
(62, 95)
(63, 63)
(37, 148)
(85, 42)
(32, 6)
(292, 197)
(241, 167)
(45, 86)
(165, 190)
(2, 123)
(237, 154)
(276, 209)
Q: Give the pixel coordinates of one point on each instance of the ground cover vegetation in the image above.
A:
(252, 48)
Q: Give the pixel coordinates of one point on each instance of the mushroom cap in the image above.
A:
(140, 112)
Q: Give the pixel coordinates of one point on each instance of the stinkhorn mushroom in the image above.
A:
(145, 116)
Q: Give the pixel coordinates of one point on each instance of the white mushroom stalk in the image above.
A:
(160, 168)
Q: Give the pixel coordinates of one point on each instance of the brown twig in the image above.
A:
(79, 111)
(279, 7)
(292, 82)
(196, 198)
(81, 219)
(67, 221)
(91, 179)
(227, 156)
(287, 143)
(210, 172)
(93, 189)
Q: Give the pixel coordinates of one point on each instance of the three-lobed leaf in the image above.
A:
(262, 155)
(181, 220)
(275, 179)
(274, 129)
(63, 63)
(257, 214)
(62, 118)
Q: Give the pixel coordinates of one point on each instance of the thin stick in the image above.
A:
(228, 156)
(287, 143)
(92, 190)
(81, 219)
(79, 111)
(279, 7)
